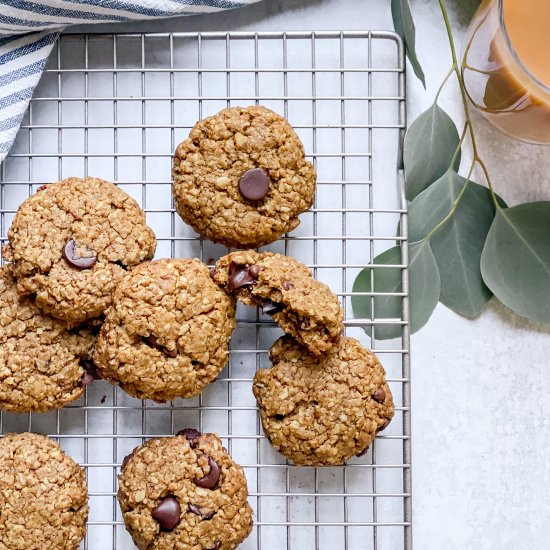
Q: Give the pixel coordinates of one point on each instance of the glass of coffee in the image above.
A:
(506, 66)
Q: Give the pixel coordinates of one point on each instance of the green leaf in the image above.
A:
(457, 246)
(404, 26)
(516, 259)
(424, 288)
(430, 144)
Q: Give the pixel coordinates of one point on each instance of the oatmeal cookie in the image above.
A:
(43, 362)
(284, 288)
(71, 242)
(43, 495)
(241, 178)
(167, 332)
(321, 411)
(184, 492)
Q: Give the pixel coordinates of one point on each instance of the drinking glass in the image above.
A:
(497, 80)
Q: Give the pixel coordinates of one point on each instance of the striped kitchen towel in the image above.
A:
(29, 29)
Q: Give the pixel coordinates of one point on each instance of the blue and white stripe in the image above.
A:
(29, 29)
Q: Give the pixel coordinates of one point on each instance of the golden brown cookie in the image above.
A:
(321, 411)
(241, 177)
(167, 332)
(72, 241)
(43, 495)
(184, 492)
(43, 362)
(285, 289)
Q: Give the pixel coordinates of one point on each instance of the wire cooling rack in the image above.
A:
(116, 106)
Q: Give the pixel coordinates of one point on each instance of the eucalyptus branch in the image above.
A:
(459, 146)
(453, 207)
(449, 74)
(477, 158)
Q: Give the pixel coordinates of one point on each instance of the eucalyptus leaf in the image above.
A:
(516, 259)
(457, 245)
(404, 26)
(424, 289)
(430, 144)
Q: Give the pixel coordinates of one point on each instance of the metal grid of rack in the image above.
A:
(115, 106)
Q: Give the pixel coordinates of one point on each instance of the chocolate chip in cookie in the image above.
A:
(167, 513)
(76, 261)
(254, 184)
(210, 480)
(191, 435)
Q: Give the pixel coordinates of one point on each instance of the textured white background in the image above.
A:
(481, 433)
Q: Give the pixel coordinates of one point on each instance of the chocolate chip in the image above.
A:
(254, 270)
(42, 187)
(305, 324)
(103, 399)
(210, 480)
(384, 426)
(254, 184)
(87, 379)
(363, 452)
(167, 513)
(191, 435)
(379, 395)
(287, 285)
(89, 366)
(239, 276)
(69, 253)
(128, 457)
(153, 342)
(279, 417)
(217, 546)
(270, 307)
(194, 509)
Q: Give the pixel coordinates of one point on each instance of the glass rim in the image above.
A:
(516, 57)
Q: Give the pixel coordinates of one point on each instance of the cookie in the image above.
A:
(167, 332)
(241, 178)
(43, 495)
(285, 289)
(43, 362)
(321, 411)
(72, 241)
(184, 492)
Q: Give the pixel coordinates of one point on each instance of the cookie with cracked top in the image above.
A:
(44, 363)
(322, 410)
(285, 289)
(43, 494)
(71, 242)
(184, 492)
(167, 332)
(241, 178)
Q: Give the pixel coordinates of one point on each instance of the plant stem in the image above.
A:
(459, 146)
(462, 87)
(453, 207)
(451, 71)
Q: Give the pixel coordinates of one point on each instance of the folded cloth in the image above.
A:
(29, 29)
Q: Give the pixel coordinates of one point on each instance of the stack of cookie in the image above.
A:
(83, 300)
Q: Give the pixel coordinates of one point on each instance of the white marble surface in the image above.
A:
(480, 388)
